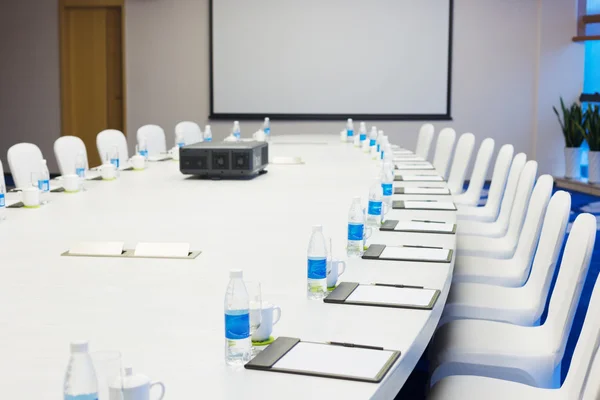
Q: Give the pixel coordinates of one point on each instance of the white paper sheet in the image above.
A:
(426, 190)
(336, 360)
(144, 249)
(429, 205)
(414, 166)
(392, 295)
(408, 157)
(401, 151)
(422, 178)
(424, 226)
(97, 248)
(415, 253)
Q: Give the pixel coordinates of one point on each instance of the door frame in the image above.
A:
(62, 5)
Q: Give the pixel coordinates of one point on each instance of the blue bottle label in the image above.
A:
(180, 145)
(44, 185)
(363, 137)
(317, 268)
(2, 201)
(208, 139)
(382, 152)
(350, 132)
(378, 147)
(356, 232)
(387, 189)
(237, 324)
(374, 208)
(115, 161)
(267, 131)
(80, 172)
(91, 396)
(144, 153)
(373, 142)
(237, 134)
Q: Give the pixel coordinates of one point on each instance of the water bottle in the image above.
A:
(207, 134)
(44, 182)
(2, 199)
(373, 137)
(179, 140)
(267, 127)
(238, 347)
(350, 129)
(80, 168)
(384, 146)
(380, 135)
(317, 264)
(374, 210)
(236, 131)
(362, 131)
(387, 179)
(80, 379)
(356, 229)
(142, 148)
(114, 156)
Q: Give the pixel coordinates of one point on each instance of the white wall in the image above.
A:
(511, 60)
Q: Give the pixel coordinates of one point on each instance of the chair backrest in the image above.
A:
(2, 182)
(443, 151)
(506, 206)
(502, 169)
(424, 140)
(523, 196)
(571, 275)
(550, 243)
(190, 130)
(66, 150)
(582, 376)
(23, 160)
(480, 168)
(154, 135)
(460, 162)
(107, 140)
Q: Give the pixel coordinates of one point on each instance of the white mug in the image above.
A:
(175, 153)
(108, 171)
(30, 196)
(138, 162)
(266, 322)
(259, 136)
(335, 268)
(71, 183)
(134, 387)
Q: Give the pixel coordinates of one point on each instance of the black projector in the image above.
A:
(224, 159)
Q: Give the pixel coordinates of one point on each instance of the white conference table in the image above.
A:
(166, 316)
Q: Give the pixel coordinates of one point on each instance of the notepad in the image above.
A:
(419, 178)
(424, 205)
(392, 295)
(401, 151)
(411, 226)
(422, 190)
(414, 253)
(97, 248)
(414, 166)
(148, 249)
(407, 158)
(322, 358)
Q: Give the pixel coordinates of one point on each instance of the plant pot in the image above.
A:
(572, 162)
(594, 166)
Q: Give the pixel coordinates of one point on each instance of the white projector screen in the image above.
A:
(331, 59)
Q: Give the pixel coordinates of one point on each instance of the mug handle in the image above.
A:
(341, 270)
(278, 309)
(367, 233)
(162, 388)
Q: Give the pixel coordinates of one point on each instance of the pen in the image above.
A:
(427, 221)
(358, 346)
(421, 247)
(424, 201)
(398, 286)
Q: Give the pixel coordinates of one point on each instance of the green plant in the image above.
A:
(592, 127)
(571, 123)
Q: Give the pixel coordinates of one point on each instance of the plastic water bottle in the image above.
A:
(380, 135)
(383, 147)
(267, 127)
(362, 132)
(44, 182)
(373, 137)
(179, 140)
(143, 148)
(80, 379)
(2, 199)
(317, 264)
(350, 129)
(236, 131)
(80, 168)
(114, 156)
(238, 347)
(387, 179)
(356, 229)
(207, 134)
(374, 210)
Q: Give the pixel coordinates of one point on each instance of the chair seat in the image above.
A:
(493, 271)
(478, 228)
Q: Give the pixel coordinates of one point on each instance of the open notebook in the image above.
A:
(418, 226)
(383, 295)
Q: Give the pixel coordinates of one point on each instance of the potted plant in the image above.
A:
(592, 135)
(573, 131)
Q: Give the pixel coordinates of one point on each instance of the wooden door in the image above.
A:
(92, 84)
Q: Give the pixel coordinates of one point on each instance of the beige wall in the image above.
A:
(511, 61)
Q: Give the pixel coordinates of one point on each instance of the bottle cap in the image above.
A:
(317, 228)
(236, 273)
(349, 120)
(267, 119)
(80, 346)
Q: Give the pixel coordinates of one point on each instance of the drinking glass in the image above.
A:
(108, 368)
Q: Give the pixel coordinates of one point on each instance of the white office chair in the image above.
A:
(517, 305)
(582, 380)
(529, 355)
(190, 131)
(505, 246)
(443, 151)
(460, 162)
(489, 212)
(23, 160)
(154, 136)
(473, 193)
(498, 227)
(424, 141)
(513, 272)
(106, 142)
(66, 150)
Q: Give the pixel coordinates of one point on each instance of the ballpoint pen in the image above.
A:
(398, 286)
(358, 346)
